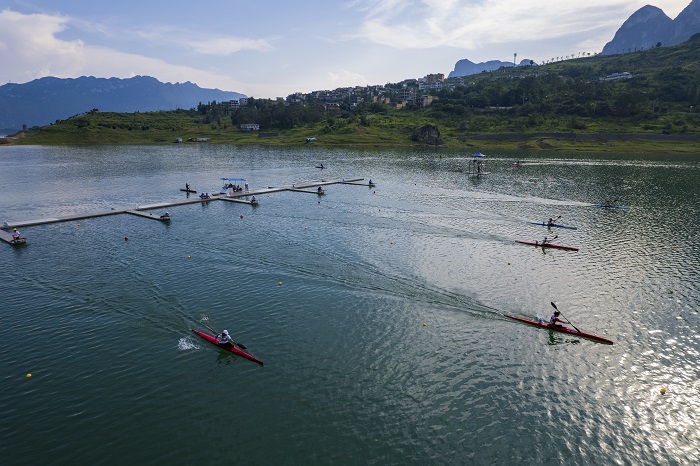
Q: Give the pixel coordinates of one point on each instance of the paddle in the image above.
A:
(549, 240)
(240, 345)
(555, 307)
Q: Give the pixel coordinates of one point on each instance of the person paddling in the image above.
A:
(554, 320)
(224, 339)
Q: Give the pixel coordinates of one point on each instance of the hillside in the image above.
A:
(563, 105)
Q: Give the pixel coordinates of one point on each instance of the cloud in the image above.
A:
(227, 45)
(425, 24)
(29, 49)
(345, 78)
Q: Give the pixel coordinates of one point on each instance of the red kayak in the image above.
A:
(570, 331)
(232, 348)
(547, 245)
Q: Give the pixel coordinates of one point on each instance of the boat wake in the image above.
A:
(185, 343)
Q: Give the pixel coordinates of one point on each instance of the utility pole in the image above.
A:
(514, 56)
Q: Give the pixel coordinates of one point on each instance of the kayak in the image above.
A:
(188, 190)
(609, 206)
(547, 245)
(570, 331)
(232, 348)
(555, 225)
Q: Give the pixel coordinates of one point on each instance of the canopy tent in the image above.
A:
(477, 165)
(229, 187)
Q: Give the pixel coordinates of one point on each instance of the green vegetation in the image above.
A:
(527, 107)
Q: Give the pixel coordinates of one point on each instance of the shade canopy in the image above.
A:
(233, 179)
(478, 154)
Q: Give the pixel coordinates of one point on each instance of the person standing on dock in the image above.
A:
(15, 235)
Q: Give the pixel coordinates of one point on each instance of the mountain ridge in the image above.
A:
(45, 100)
(650, 26)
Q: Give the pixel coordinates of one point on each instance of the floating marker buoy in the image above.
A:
(126, 238)
(663, 391)
(241, 216)
(188, 257)
(508, 263)
(279, 283)
(29, 375)
(424, 324)
(671, 291)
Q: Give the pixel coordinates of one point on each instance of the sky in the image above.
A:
(273, 48)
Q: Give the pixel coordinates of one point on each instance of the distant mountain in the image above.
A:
(465, 67)
(650, 26)
(45, 100)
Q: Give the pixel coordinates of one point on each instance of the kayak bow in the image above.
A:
(567, 330)
(232, 348)
(547, 245)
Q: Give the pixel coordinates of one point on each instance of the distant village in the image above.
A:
(409, 92)
(396, 95)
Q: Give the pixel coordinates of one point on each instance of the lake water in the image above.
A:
(377, 311)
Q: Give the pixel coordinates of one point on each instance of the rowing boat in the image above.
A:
(553, 225)
(232, 348)
(547, 245)
(566, 330)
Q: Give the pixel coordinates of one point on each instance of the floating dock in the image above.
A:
(162, 218)
(139, 210)
(7, 237)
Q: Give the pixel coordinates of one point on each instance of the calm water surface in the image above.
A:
(333, 293)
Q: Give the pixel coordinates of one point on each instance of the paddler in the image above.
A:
(15, 235)
(554, 320)
(224, 339)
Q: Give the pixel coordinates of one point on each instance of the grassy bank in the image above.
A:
(391, 130)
